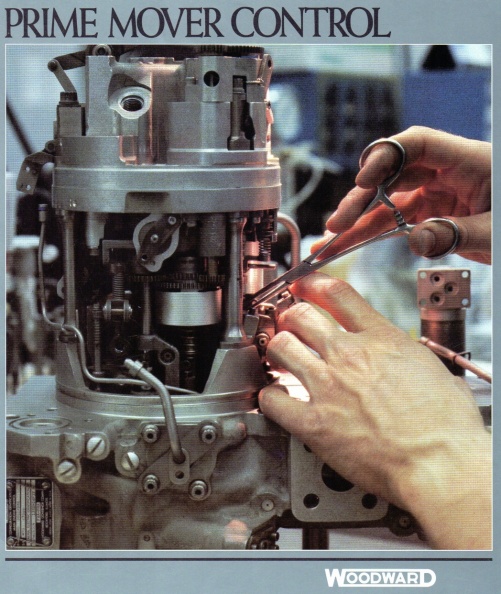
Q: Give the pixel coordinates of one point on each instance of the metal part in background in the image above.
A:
(444, 294)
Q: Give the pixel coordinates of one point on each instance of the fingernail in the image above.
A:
(427, 242)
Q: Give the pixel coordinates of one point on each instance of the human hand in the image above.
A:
(384, 412)
(444, 176)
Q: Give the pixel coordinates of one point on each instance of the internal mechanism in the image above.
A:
(148, 435)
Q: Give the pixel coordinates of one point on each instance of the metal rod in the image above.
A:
(456, 358)
(146, 309)
(295, 234)
(234, 333)
(121, 381)
(42, 214)
(136, 369)
(69, 268)
(18, 129)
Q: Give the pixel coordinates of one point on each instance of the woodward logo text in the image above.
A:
(383, 578)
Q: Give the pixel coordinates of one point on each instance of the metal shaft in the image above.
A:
(69, 268)
(234, 333)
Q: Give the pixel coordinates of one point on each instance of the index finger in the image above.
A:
(341, 301)
(424, 147)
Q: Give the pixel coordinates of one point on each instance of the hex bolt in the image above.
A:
(208, 434)
(96, 447)
(167, 356)
(150, 433)
(66, 471)
(130, 461)
(199, 490)
(267, 505)
(151, 484)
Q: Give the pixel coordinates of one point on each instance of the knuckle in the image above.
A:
(416, 130)
(335, 287)
(279, 341)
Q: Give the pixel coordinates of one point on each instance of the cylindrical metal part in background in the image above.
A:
(443, 295)
(315, 539)
(188, 308)
(450, 333)
(258, 275)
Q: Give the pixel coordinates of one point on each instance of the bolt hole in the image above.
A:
(211, 78)
(311, 501)
(132, 103)
(179, 474)
(369, 501)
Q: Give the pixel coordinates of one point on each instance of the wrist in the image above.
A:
(449, 492)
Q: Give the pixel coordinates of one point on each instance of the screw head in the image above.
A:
(199, 490)
(151, 484)
(96, 447)
(150, 433)
(130, 461)
(172, 220)
(167, 356)
(208, 434)
(267, 505)
(67, 471)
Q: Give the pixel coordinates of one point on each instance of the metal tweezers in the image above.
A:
(309, 264)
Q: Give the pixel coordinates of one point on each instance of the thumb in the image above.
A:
(433, 238)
